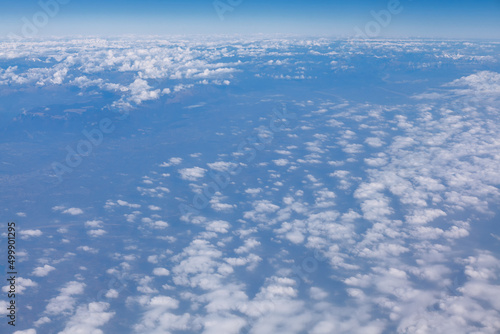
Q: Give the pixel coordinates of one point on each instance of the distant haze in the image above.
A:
(422, 18)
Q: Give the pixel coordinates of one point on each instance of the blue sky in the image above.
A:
(423, 18)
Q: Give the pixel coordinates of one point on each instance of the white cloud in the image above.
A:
(88, 319)
(93, 223)
(172, 162)
(42, 321)
(317, 293)
(127, 204)
(281, 162)
(30, 233)
(87, 249)
(161, 272)
(192, 174)
(26, 331)
(374, 141)
(64, 302)
(219, 226)
(480, 83)
(42, 271)
(96, 233)
(253, 191)
(425, 216)
(73, 211)
(21, 285)
(112, 293)
(223, 166)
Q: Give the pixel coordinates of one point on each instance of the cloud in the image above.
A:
(317, 293)
(281, 162)
(73, 211)
(96, 233)
(222, 166)
(88, 318)
(112, 293)
(65, 302)
(93, 223)
(172, 162)
(161, 272)
(425, 216)
(21, 285)
(42, 271)
(87, 249)
(25, 234)
(217, 205)
(158, 316)
(192, 174)
(374, 142)
(219, 226)
(127, 204)
(198, 266)
(253, 191)
(42, 321)
(26, 331)
(480, 83)
(385, 225)
(261, 209)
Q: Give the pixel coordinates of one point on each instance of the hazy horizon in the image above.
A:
(407, 19)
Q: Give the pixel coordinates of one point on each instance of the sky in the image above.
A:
(412, 18)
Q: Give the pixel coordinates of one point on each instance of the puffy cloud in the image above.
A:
(317, 293)
(261, 209)
(217, 205)
(87, 249)
(88, 318)
(158, 316)
(42, 271)
(73, 211)
(172, 162)
(26, 331)
(161, 272)
(434, 161)
(42, 321)
(192, 174)
(425, 216)
(219, 226)
(65, 302)
(222, 166)
(93, 223)
(374, 141)
(127, 204)
(480, 83)
(198, 266)
(21, 285)
(112, 293)
(281, 162)
(96, 233)
(30, 233)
